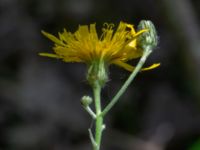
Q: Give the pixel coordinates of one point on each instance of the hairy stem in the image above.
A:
(127, 83)
(99, 119)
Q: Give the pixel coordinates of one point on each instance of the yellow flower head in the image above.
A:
(85, 45)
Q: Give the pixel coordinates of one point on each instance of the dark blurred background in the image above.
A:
(40, 97)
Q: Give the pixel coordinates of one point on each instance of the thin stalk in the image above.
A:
(91, 113)
(99, 119)
(127, 83)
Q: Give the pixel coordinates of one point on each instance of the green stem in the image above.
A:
(91, 113)
(99, 119)
(127, 83)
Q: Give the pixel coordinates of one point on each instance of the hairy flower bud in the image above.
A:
(86, 101)
(97, 72)
(149, 39)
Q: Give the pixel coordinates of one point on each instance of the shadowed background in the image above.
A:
(40, 97)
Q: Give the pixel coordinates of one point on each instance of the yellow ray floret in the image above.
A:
(112, 46)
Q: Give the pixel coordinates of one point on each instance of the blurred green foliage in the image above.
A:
(195, 145)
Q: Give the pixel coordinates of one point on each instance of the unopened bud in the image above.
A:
(86, 101)
(149, 39)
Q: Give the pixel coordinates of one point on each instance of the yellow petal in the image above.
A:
(49, 55)
(93, 32)
(124, 65)
(151, 67)
(53, 38)
(72, 59)
(140, 32)
(131, 68)
(64, 58)
(82, 33)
